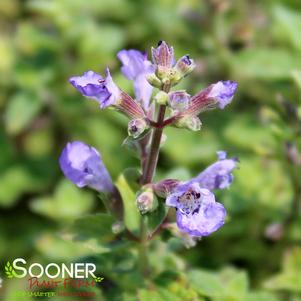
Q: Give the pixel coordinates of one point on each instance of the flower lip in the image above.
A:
(219, 174)
(197, 211)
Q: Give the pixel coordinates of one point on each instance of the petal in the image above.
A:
(209, 219)
(82, 165)
(223, 91)
(143, 90)
(218, 175)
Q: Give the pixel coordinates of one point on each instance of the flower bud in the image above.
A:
(163, 55)
(147, 201)
(184, 65)
(192, 123)
(165, 187)
(161, 98)
(136, 127)
(82, 164)
(154, 80)
(179, 100)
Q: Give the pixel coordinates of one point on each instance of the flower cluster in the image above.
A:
(197, 211)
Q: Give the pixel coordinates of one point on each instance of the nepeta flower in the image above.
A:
(216, 95)
(219, 174)
(163, 55)
(198, 213)
(94, 86)
(223, 92)
(106, 93)
(82, 165)
(136, 67)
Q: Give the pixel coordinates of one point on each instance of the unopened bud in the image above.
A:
(192, 123)
(184, 65)
(147, 201)
(179, 100)
(136, 127)
(154, 80)
(163, 55)
(161, 98)
(165, 187)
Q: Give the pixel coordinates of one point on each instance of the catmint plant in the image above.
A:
(157, 104)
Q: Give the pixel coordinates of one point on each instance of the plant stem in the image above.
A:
(147, 177)
(154, 149)
(143, 259)
(152, 159)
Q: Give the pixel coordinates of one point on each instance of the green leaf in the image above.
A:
(205, 283)
(21, 110)
(289, 279)
(155, 218)
(128, 186)
(259, 64)
(93, 231)
(287, 25)
(67, 202)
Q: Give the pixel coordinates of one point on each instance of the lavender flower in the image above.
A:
(106, 93)
(82, 165)
(219, 174)
(216, 95)
(94, 86)
(223, 92)
(198, 213)
(137, 67)
(163, 55)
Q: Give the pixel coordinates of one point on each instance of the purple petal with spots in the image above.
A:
(198, 213)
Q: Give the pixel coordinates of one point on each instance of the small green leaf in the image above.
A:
(94, 232)
(128, 186)
(155, 218)
(21, 110)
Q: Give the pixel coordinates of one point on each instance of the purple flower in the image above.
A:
(219, 174)
(216, 95)
(185, 65)
(223, 92)
(82, 165)
(106, 93)
(92, 85)
(136, 67)
(179, 100)
(198, 213)
(163, 55)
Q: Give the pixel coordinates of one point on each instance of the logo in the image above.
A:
(53, 276)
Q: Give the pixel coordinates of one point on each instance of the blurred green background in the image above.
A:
(256, 43)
